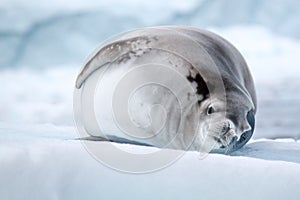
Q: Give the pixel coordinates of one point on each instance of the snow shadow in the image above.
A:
(271, 150)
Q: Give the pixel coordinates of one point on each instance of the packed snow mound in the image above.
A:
(40, 166)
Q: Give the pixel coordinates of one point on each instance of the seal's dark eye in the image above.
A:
(210, 110)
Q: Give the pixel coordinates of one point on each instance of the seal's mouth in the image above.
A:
(236, 144)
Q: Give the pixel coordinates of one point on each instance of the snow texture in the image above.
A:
(53, 166)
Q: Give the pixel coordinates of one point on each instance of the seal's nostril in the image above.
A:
(245, 127)
(226, 127)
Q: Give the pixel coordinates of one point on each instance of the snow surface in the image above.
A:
(42, 52)
(53, 166)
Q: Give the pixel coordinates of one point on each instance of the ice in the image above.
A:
(64, 32)
(34, 31)
(282, 16)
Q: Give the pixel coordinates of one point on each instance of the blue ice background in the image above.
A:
(53, 33)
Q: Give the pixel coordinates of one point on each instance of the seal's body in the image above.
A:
(174, 87)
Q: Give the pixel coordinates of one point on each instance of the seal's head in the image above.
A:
(226, 124)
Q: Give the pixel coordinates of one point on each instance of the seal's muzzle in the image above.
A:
(245, 137)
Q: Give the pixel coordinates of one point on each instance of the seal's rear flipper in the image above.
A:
(92, 138)
(113, 139)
